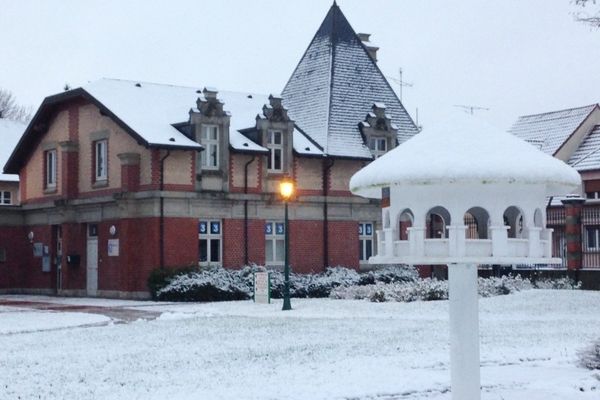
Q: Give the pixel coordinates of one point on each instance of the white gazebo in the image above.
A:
(462, 193)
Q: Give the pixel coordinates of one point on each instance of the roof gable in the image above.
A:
(335, 85)
(549, 131)
(587, 155)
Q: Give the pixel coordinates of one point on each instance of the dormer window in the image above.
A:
(275, 147)
(209, 138)
(378, 146)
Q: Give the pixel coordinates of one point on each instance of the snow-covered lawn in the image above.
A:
(323, 349)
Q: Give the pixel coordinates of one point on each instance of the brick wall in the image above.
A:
(343, 244)
(233, 242)
(306, 246)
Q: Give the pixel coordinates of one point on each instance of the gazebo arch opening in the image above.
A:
(513, 218)
(405, 221)
(436, 221)
(476, 219)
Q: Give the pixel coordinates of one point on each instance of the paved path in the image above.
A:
(116, 314)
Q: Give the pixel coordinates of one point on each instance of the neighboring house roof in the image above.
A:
(10, 133)
(548, 131)
(587, 155)
(334, 87)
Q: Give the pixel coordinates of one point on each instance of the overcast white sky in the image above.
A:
(512, 56)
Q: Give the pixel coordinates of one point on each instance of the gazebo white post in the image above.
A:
(464, 331)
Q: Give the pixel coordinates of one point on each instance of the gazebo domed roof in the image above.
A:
(462, 149)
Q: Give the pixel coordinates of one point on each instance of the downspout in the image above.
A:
(327, 164)
(246, 208)
(162, 210)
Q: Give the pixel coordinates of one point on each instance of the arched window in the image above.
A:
(404, 222)
(476, 219)
(436, 221)
(513, 218)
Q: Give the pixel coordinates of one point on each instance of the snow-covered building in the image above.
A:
(573, 136)
(121, 177)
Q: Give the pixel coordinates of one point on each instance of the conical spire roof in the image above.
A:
(335, 85)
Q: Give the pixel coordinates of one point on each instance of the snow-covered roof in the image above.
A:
(548, 131)
(335, 85)
(463, 149)
(10, 132)
(587, 155)
(151, 109)
(302, 145)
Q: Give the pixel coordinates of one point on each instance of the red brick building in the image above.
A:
(118, 178)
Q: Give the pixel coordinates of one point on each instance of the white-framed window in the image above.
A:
(274, 242)
(365, 241)
(592, 195)
(210, 239)
(378, 146)
(50, 168)
(101, 161)
(592, 237)
(5, 197)
(209, 138)
(275, 147)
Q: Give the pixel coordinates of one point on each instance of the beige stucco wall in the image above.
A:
(34, 169)
(178, 168)
(93, 125)
(309, 173)
(342, 171)
(13, 188)
(239, 161)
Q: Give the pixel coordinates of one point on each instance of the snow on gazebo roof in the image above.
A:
(461, 149)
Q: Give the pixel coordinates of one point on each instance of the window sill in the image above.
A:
(50, 190)
(100, 184)
(211, 172)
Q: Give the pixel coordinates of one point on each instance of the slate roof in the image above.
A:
(10, 132)
(587, 155)
(548, 131)
(335, 85)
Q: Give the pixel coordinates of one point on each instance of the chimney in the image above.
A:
(371, 48)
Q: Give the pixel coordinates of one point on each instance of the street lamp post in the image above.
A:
(286, 189)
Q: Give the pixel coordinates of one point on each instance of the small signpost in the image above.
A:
(262, 287)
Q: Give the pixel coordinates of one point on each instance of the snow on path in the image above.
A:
(323, 349)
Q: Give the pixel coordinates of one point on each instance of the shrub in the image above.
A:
(561, 283)
(160, 277)
(590, 357)
(212, 284)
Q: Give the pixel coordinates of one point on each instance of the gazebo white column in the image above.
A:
(469, 166)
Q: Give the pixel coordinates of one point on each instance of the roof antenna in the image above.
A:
(469, 109)
(401, 83)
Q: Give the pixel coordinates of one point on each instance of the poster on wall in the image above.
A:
(113, 247)
(38, 249)
(46, 263)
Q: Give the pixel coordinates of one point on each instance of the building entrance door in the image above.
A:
(92, 261)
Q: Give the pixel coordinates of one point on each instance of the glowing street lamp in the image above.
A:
(286, 190)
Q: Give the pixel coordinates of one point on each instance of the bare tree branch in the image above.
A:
(591, 18)
(9, 108)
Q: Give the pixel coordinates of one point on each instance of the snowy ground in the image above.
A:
(323, 349)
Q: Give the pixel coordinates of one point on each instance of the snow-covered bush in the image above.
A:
(389, 274)
(560, 283)
(495, 286)
(421, 289)
(590, 357)
(428, 289)
(212, 284)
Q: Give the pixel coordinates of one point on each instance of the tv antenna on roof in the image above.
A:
(401, 83)
(471, 109)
